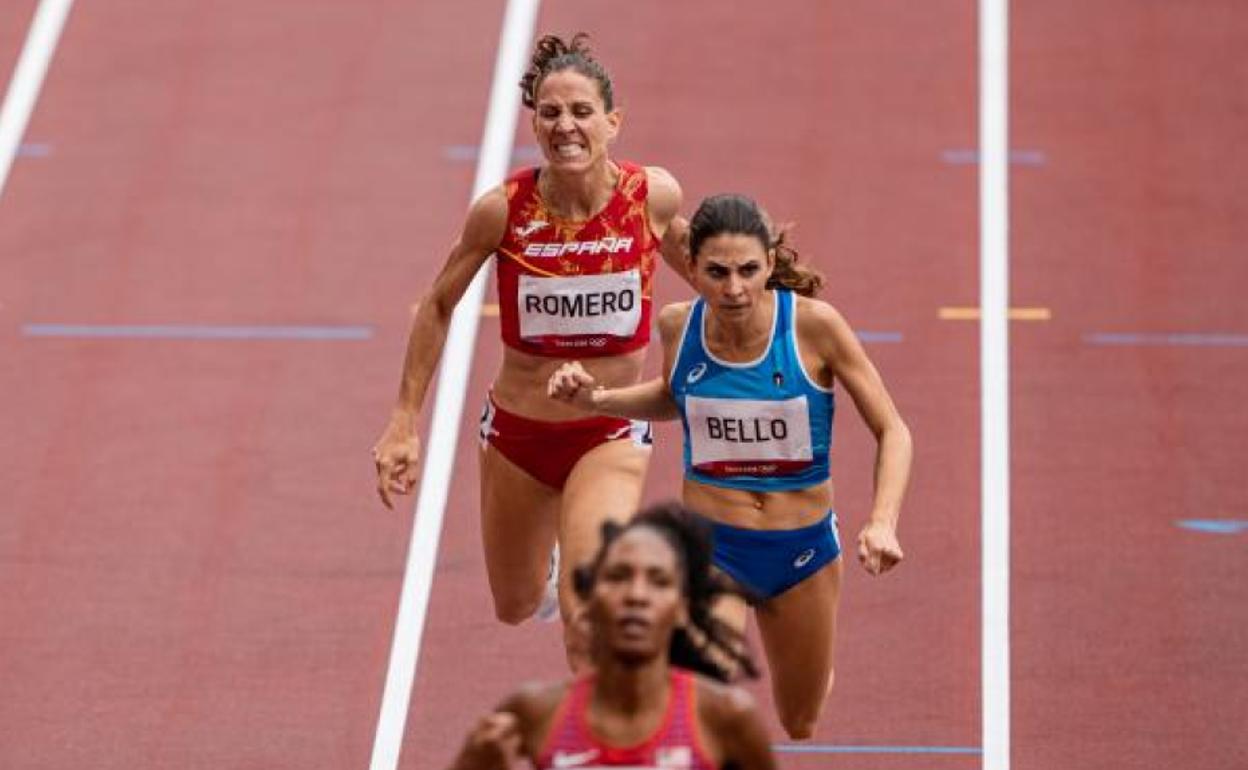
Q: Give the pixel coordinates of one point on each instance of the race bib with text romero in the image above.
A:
(580, 304)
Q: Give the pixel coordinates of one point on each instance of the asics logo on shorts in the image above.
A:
(804, 558)
(696, 373)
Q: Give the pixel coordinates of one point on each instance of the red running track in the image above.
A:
(1130, 634)
(196, 571)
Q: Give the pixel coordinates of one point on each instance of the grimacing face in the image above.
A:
(730, 271)
(637, 598)
(570, 121)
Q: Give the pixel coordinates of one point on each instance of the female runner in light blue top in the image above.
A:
(749, 368)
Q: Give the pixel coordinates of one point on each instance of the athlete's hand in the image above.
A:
(573, 385)
(492, 745)
(396, 454)
(878, 548)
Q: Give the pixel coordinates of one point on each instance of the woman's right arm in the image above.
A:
(516, 729)
(398, 449)
(650, 400)
(732, 723)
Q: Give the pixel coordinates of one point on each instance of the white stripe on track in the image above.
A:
(19, 100)
(994, 374)
(448, 405)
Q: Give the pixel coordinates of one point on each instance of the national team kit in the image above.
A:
(673, 745)
(584, 289)
(571, 289)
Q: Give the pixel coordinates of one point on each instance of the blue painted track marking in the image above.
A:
(880, 336)
(195, 332)
(817, 748)
(34, 150)
(1183, 338)
(1215, 526)
(464, 153)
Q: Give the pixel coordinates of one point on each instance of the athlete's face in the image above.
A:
(730, 271)
(637, 597)
(571, 123)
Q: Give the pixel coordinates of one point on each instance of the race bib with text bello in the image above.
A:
(580, 304)
(737, 437)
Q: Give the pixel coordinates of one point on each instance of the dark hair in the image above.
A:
(553, 54)
(707, 645)
(734, 214)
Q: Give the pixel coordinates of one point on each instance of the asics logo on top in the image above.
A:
(608, 245)
(530, 228)
(804, 558)
(696, 373)
(578, 759)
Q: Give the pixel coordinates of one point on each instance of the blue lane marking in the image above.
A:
(1184, 338)
(463, 153)
(1215, 526)
(971, 157)
(880, 336)
(815, 748)
(193, 332)
(34, 150)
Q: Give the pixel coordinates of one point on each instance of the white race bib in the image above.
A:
(580, 304)
(735, 437)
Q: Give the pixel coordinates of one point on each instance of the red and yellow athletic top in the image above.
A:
(673, 746)
(577, 289)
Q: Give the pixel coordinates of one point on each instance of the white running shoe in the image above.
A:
(548, 610)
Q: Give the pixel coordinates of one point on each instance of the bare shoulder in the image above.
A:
(724, 706)
(664, 194)
(661, 180)
(821, 324)
(816, 314)
(487, 220)
(672, 319)
(534, 705)
(732, 730)
(537, 698)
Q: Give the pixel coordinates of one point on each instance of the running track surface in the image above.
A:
(196, 573)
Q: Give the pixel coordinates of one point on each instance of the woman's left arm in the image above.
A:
(665, 220)
(841, 351)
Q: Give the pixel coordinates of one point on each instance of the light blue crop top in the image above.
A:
(761, 425)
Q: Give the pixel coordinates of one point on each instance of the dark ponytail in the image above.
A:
(553, 54)
(732, 214)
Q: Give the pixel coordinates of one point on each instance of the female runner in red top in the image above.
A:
(577, 242)
(648, 596)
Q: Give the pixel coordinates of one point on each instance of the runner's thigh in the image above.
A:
(519, 520)
(605, 484)
(798, 629)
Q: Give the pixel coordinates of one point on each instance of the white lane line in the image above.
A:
(994, 374)
(448, 405)
(32, 65)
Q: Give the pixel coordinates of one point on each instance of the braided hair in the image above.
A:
(553, 54)
(706, 645)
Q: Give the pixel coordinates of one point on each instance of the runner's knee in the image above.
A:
(514, 610)
(799, 723)
(800, 719)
